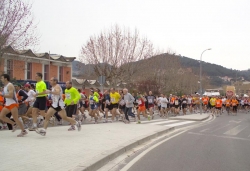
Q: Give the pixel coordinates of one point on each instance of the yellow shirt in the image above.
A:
(41, 87)
(114, 97)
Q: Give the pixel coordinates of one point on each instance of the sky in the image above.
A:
(187, 27)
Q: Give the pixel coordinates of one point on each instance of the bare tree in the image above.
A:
(115, 53)
(17, 27)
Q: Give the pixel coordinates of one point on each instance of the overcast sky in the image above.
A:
(186, 26)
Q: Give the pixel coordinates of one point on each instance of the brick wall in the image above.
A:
(19, 70)
(66, 74)
(36, 67)
(53, 71)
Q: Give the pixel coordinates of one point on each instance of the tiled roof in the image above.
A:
(30, 53)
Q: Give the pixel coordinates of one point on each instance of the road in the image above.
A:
(221, 145)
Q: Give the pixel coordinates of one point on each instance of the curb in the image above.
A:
(101, 160)
(187, 119)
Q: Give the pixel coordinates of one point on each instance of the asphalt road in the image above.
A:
(221, 145)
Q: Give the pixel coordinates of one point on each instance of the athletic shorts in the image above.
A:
(176, 106)
(71, 110)
(40, 103)
(109, 107)
(184, 106)
(151, 106)
(22, 109)
(218, 108)
(212, 106)
(58, 109)
(12, 106)
(245, 105)
(115, 105)
(93, 106)
(141, 108)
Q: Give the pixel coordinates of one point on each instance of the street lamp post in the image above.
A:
(201, 81)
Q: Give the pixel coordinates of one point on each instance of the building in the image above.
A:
(23, 65)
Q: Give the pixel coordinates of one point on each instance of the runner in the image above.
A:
(115, 98)
(205, 100)
(141, 108)
(11, 105)
(218, 106)
(72, 96)
(177, 104)
(40, 103)
(151, 100)
(164, 105)
(184, 105)
(93, 101)
(57, 106)
(190, 104)
(234, 104)
(108, 106)
(129, 100)
(228, 105)
(212, 102)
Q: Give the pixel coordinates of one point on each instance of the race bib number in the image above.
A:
(139, 102)
(150, 101)
(112, 100)
(91, 102)
(83, 101)
(218, 103)
(228, 103)
(68, 96)
(184, 102)
(234, 104)
(122, 102)
(176, 102)
(107, 101)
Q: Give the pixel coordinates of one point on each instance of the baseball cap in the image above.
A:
(27, 85)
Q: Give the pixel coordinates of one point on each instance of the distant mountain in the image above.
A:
(216, 75)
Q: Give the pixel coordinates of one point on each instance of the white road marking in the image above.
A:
(235, 121)
(168, 121)
(219, 128)
(181, 123)
(204, 130)
(227, 137)
(132, 162)
(235, 130)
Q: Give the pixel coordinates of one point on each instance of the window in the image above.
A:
(29, 71)
(46, 72)
(61, 73)
(10, 68)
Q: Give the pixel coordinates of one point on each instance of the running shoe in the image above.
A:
(78, 125)
(33, 129)
(149, 118)
(22, 133)
(138, 122)
(72, 128)
(41, 131)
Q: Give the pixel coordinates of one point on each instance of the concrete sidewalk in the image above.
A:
(192, 117)
(65, 150)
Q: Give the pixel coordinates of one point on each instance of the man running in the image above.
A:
(57, 106)
(151, 100)
(72, 96)
(11, 105)
(40, 103)
(115, 98)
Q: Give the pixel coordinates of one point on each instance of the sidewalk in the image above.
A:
(63, 150)
(192, 117)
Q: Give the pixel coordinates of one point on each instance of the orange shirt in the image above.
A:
(172, 100)
(234, 102)
(228, 102)
(218, 103)
(1, 102)
(205, 100)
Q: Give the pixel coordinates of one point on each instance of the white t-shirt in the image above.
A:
(164, 102)
(31, 97)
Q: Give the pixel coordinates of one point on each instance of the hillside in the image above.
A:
(174, 73)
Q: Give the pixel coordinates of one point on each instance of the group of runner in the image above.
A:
(29, 106)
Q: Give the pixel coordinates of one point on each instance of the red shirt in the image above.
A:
(141, 102)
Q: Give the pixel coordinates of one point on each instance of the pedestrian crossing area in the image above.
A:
(234, 130)
(169, 123)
